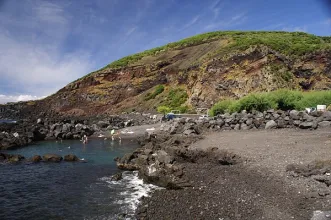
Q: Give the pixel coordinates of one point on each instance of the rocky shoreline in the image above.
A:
(24, 132)
(193, 176)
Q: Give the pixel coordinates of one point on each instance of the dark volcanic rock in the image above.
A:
(71, 158)
(116, 177)
(36, 158)
(52, 158)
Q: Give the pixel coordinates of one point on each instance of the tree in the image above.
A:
(163, 109)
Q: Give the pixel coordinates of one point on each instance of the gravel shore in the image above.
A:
(258, 188)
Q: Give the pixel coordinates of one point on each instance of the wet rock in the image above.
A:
(71, 158)
(36, 158)
(271, 124)
(52, 158)
(116, 177)
(15, 158)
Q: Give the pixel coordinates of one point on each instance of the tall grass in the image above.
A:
(280, 99)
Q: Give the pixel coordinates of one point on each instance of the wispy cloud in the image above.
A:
(17, 98)
(235, 20)
(130, 31)
(192, 22)
(296, 28)
(327, 21)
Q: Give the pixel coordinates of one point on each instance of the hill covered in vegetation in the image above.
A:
(198, 72)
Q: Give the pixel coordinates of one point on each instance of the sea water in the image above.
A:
(71, 190)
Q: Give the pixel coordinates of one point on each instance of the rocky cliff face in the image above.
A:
(207, 71)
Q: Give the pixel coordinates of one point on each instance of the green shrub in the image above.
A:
(313, 98)
(282, 99)
(258, 101)
(183, 109)
(158, 90)
(221, 107)
(286, 99)
(163, 109)
(176, 98)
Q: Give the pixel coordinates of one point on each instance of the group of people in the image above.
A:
(115, 134)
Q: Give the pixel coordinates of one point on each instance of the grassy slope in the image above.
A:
(288, 43)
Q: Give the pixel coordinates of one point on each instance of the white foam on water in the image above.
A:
(132, 190)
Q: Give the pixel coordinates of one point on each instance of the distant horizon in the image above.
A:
(49, 44)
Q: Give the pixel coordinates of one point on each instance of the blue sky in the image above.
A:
(45, 44)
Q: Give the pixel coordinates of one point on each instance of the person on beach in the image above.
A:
(112, 132)
(85, 139)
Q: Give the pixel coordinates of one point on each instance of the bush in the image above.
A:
(258, 102)
(176, 98)
(280, 99)
(221, 107)
(158, 90)
(313, 98)
(163, 109)
(286, 99)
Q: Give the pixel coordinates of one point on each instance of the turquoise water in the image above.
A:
(69, 190)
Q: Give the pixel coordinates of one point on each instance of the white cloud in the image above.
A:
(17, 98)
(37, 65)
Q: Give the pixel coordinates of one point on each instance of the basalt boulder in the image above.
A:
(52, 158)
(71, 158)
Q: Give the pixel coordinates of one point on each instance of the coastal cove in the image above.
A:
(70, 190)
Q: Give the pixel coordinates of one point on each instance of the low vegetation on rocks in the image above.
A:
(295, 43)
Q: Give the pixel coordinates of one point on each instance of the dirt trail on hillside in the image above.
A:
(258, 188)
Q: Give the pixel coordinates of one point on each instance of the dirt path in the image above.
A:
(259, 188)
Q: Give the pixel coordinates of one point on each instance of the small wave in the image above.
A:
(131, 190)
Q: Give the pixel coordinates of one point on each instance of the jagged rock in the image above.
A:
(79, 127)
(326, 116)
(306, 125)
(71, 158)
(249, 122)
(66, 128)
(116, 177)
(281, 123)
(237, 127)
(324, 124)
(103, 124)
(15, 158)
(52, 158)
(296, 123)
(294, 114)
(189, 132)
(244, 127)
(164, 157)
(271, 124)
